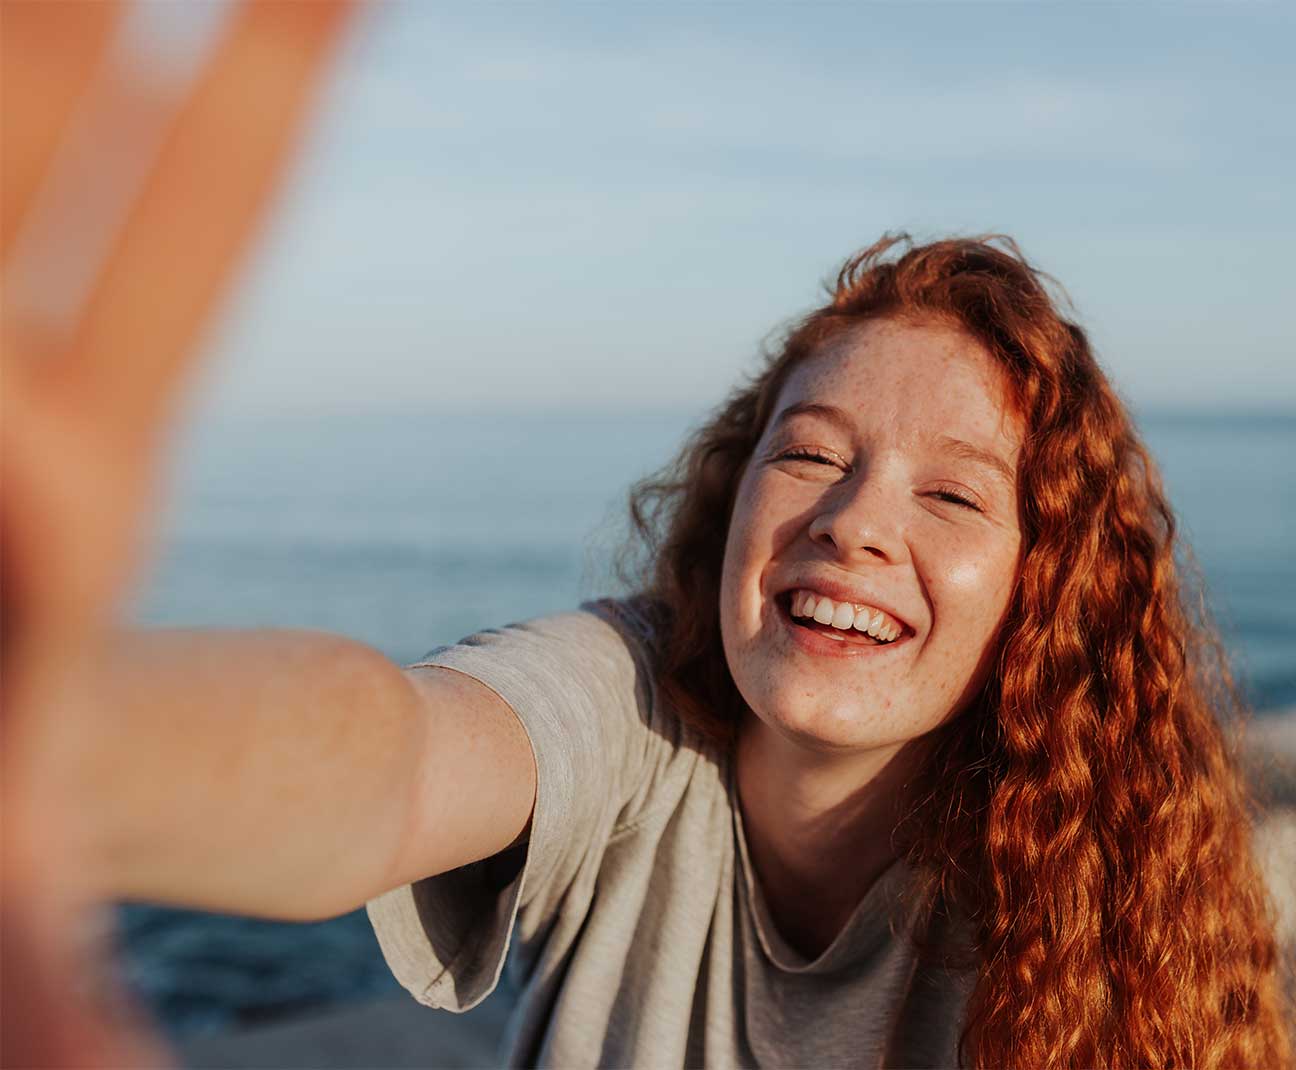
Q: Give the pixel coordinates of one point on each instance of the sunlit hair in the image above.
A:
(1086, 814)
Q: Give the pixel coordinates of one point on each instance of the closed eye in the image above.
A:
(803, 453)
(813, 455)
(948, 494)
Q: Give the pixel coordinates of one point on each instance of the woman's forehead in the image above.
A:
(917, 379)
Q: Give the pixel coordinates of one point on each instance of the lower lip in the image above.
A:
(816, 643)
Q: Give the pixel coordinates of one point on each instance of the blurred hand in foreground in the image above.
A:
(94, 345)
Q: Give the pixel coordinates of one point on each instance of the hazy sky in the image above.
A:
(615, 203)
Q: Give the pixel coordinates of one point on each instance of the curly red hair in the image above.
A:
(1087, 814)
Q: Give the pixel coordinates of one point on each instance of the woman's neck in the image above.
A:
(818, 828)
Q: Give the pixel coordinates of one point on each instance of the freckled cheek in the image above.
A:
(965, 577)
(748, 544)
(973, 589)
(740, 575)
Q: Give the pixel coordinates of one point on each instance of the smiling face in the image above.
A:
(875, 484)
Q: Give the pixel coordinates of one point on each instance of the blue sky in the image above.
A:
(613, 204)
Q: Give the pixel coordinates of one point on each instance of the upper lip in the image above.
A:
(839, 591)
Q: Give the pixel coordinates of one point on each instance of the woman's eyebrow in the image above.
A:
(831, 413)
(968, 452)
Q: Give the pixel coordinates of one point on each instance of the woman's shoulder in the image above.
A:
(639, 620)
(671, 751)
(585, 681)
(595, 627)
(601, 643)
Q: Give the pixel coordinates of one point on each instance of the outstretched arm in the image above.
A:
(290, 774)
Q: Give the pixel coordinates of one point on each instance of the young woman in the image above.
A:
(907, 753)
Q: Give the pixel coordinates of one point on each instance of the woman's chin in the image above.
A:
(824, 728)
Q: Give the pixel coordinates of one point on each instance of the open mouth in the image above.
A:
(799, 614)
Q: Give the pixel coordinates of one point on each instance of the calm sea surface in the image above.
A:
(411, 529)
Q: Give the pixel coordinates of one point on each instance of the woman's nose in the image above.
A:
(859, 520)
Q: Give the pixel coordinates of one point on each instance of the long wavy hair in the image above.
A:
(1087, 814)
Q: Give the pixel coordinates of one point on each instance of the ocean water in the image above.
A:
(409, 529)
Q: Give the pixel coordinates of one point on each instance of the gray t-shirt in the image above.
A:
(638, 930)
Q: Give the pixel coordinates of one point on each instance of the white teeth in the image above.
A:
(844, 616)
(870, 622)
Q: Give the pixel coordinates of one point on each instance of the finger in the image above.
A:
(48, 54)
(198, 208)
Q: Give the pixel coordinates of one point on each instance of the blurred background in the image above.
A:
(527, 247)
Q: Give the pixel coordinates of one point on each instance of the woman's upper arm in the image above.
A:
(473, 786)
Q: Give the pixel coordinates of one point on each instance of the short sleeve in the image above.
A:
(580, 683)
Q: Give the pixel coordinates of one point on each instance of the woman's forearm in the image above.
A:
(257, 772)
